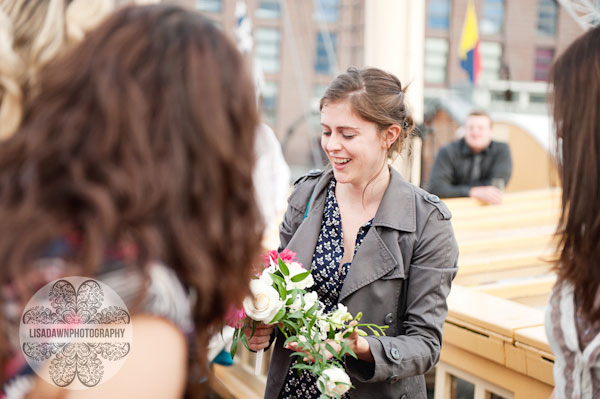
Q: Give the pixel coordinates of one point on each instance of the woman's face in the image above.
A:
(356, 150)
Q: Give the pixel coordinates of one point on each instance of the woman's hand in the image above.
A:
(262, 336)
(359, 345)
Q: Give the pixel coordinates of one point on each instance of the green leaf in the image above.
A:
(300, 354)
(254, 324)
(296, 315)
(283, 267)
(292, 338)
(331, 350)
(351, 353)
(301, 276)
(245, 341)
(276, 277)
(281, 290)
(234, 346)
(278, 316)
(293, 327)
(302, 366)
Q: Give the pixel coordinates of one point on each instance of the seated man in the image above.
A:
(474, 166)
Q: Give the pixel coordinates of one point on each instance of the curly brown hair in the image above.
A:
(144, 132)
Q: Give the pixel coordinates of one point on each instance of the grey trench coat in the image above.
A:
(411, 239)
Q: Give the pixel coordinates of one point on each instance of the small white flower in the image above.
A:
(296, 305)
(310, 299)
(341, 315)
(323, 329)
(263, 303)
(296, 268)
(337, 383)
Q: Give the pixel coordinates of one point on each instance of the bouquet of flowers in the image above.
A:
(279, 296)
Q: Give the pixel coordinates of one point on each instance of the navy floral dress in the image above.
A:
(328, 284)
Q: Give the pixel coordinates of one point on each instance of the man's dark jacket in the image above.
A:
(452, 170)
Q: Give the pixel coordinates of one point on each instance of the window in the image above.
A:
(325, 56)
(327, 10)
(269, 93)
(547, 15)
(438, 14)
(543, 60)
(209, 5)
(491, 60)
(492, 22)
(436, 58)
(268, 9)
(268, 48)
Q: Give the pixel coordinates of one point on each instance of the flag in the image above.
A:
(470, 58)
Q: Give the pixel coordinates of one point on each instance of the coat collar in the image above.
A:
(397, 209)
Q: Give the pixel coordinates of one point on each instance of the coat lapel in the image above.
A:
(379, 253)
(372, 261)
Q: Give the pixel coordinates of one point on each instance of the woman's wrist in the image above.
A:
(363, 350)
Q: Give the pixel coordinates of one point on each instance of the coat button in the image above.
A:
(389, 318)
(433, 198)
(392, 379)
(395, 353)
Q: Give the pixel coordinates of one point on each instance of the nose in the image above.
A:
(332, 143)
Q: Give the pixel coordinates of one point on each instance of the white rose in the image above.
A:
(296, 268)
(338, 383)
(341, 315)
(263, 303)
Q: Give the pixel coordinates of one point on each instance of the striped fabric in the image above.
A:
(576, 346)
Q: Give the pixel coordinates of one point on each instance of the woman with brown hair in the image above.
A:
(375, 243)
(134, 165)
(573, 313)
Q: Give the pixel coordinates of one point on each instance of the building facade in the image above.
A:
(299, 46)
(519, 39)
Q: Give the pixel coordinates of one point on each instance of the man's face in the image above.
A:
(478, 133)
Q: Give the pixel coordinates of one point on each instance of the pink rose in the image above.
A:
(234, 317)
(286, 255)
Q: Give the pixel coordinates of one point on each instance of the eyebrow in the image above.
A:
(342, 127)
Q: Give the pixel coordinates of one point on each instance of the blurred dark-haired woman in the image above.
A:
(573, 312)
(134, 165)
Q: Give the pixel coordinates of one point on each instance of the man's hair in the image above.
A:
(480, 112)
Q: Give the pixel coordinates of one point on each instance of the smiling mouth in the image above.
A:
(340, 161)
